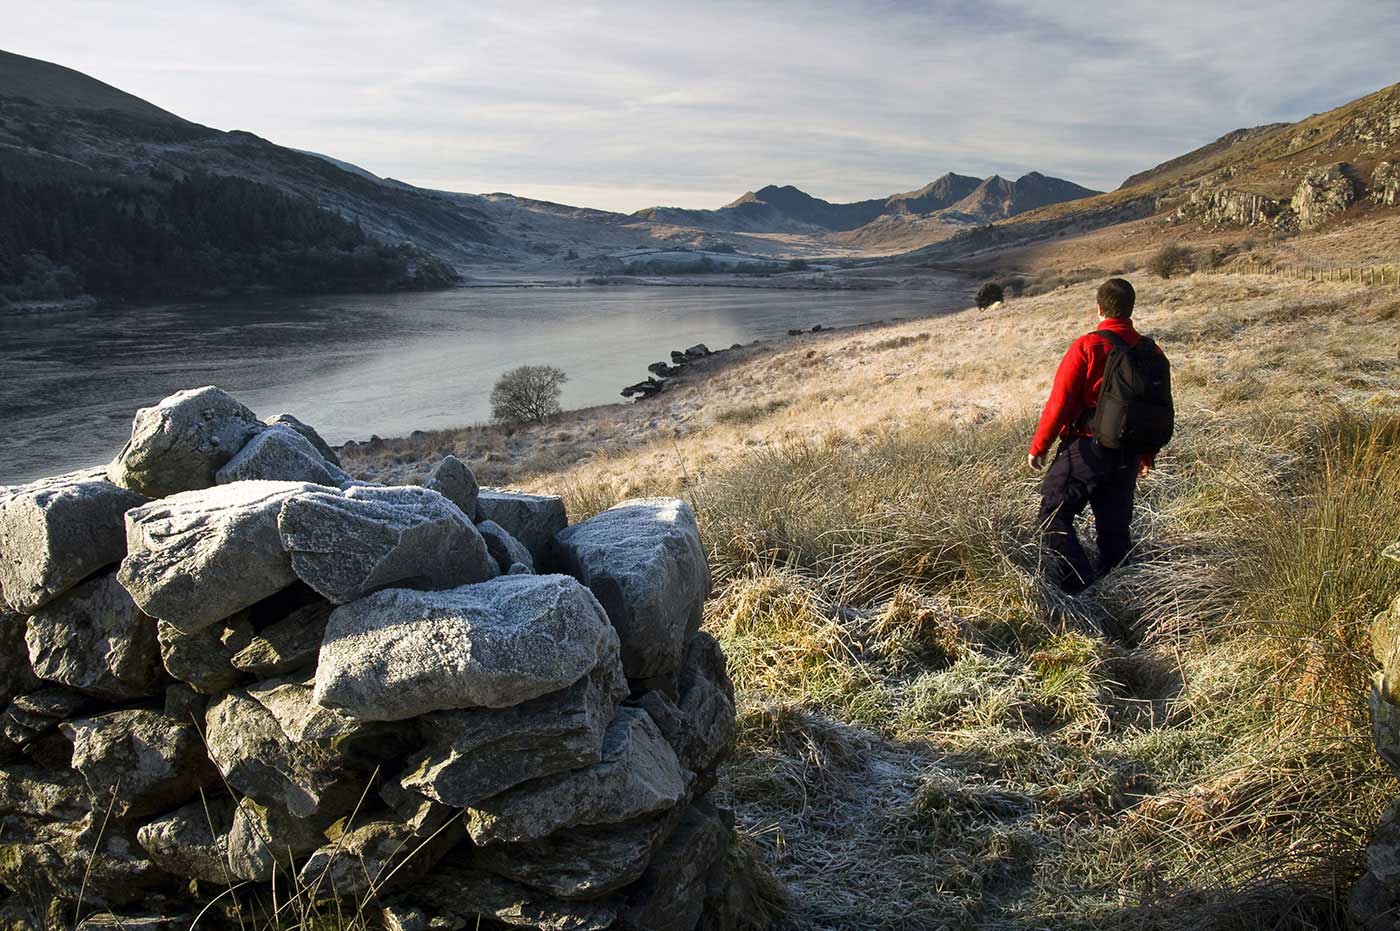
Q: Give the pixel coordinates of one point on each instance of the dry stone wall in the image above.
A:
(226, 664)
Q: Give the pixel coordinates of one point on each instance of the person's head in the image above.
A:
(1116, 299)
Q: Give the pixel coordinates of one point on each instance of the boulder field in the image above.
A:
(233, 676)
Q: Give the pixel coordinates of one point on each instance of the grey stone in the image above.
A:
(287, 645)
(378, 853)
(289, 701)
(92, 859)
(400, 653)
(582, 863)
(701, 725)
(258, 760)
(322, 447)
(43, 791)
(56, 532)
(183, 703)
(196, 558)
(204, 659)
(479, 752)
(93, 638)
(180, 443)
(1323, 194)
(138, 761)
(452, 479)
(264, 840)
(34, 714)
(192, 841)
(280, 454)
(638, 775)
(16, 675)
(644, 561)
(670, 896)
(531, 519)
(504, 548)
(347, 545)
(456, 888)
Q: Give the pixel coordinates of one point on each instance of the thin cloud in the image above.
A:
(622, 104)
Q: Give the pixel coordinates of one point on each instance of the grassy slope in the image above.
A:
(929, 737)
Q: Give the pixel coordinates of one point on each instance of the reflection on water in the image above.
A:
(362, 364)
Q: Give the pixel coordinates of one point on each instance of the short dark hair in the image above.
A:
(1116, 298)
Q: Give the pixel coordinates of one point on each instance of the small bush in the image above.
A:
(1171, 259)
(527, 394)
(989, 294)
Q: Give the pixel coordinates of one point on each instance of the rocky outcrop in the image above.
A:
(1323, 194)
(1217, 206)
(358, 691)
(1384, 189)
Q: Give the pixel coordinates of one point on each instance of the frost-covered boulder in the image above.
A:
(322, 447)
(504, 548)
(638, 775)
(56, 532)
(281, 454)
(94, 639)
(644, 561)
(345, 545)
(479, 752)
(198, 557)
(531, 519)
(401, 653)
(181, 442)
(454, 480)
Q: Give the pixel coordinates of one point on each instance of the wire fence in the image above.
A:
(1371, 275)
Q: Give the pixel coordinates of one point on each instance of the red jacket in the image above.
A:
(1077, 384)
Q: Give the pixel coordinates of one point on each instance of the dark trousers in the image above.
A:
(1086, 473)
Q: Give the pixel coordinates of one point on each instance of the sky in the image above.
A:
(623, 105)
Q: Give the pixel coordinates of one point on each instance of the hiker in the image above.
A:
(1111, 410)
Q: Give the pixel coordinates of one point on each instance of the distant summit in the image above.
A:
(49, 85)
(954, 199)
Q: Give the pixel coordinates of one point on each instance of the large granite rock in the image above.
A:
(321, 446)
(287, 645)
(204, 659)
(644, 561)
(584, 862)
(531, 519)
(452, 479)
(479, 752)
(670, 896)
(347, 545)
(192, 841)
(196, 558)
(401, 653)
(16, 676)
(265, 839)
(56, 532)
(179, 444)
(700, 726)
(280, 454)
(504, 548)
(138, 761)
(458, 889)
(258, 760)
(94, 639)
(638, 775)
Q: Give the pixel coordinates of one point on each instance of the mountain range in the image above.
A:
(104, 193)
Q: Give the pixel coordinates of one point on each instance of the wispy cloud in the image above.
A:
(622, 104)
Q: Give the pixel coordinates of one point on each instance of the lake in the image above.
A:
(357, 365)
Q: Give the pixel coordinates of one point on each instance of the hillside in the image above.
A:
(928, 737)
(1330, 169)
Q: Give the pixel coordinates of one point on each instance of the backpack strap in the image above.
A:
(1114, 340)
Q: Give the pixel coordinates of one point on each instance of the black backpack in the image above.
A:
(1135, 403)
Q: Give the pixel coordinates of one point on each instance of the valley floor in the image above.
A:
(929, 737)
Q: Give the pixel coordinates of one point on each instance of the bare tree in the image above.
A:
(527, 394)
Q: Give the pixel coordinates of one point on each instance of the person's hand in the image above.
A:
(1036, 462)
(1143, 469)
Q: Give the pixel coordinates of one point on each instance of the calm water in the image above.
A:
(387, 364)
